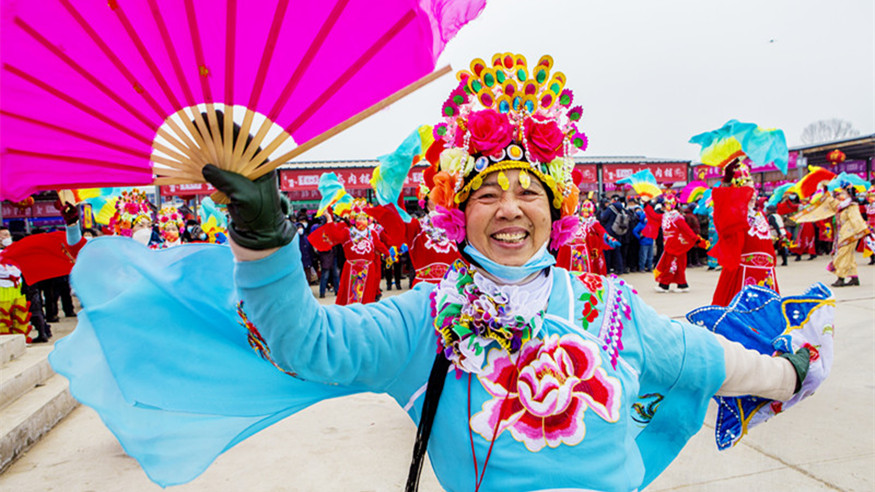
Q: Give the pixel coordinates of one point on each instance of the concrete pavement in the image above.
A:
(363, 442)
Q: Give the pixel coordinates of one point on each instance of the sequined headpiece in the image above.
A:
(587, 206)
(169, 215)
(741, 175)
(130, 208)
(670, 198)
(501, 117)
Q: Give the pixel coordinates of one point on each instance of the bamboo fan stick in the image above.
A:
(241, 138)
(164, 181)
(196, 128)
(340, 127)
(216, 137)
(206, 138)
(186, 161)
(173, 169)
(172, 173)
(228, 137)
(256, 141)
(189, 146)
(262, 156)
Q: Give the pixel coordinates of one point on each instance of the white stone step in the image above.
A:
(11, 346)
(31, 416)
(24, 373)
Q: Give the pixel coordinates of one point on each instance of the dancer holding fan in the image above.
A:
(745, 249)
(503, 318)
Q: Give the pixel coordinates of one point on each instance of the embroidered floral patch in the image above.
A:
(543, 398)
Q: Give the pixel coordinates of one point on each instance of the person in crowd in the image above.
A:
(692, 221)
(678, 240)
(869, 241)
(585, 251)
(170, 226)
(778, 232)
(615, 220)
(646, 232)
(837, 200)
(744, 249)
(633, 245)
(360, 278)
(15, 314)
(507, 382)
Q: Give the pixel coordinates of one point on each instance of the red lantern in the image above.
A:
(836, 157)
(23, 204)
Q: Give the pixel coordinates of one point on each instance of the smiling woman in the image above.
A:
(552, 370)
(508, 225)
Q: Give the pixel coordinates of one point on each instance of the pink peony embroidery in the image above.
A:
(545, 402)
(563, 231)
(451, 221)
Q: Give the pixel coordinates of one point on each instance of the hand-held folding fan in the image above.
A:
(100, 93)
(644, 183)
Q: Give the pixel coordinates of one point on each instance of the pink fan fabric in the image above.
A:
(85, 84)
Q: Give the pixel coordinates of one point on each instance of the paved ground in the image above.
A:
(363, 442)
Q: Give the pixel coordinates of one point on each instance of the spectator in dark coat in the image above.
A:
(614, 257)
(693, 222)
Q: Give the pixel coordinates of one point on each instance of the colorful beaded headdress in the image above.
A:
(130, 208)
(503, 116)
(587, 206)
(669, 198)
(169, 215)
(741, 175)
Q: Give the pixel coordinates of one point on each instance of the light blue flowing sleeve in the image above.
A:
(162, 355)
(365, 346)
(680, 368)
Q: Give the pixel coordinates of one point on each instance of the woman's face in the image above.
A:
(361, 222)
(142, 224)
(508, 226)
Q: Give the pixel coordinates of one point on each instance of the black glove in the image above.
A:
(257, 218)
(800, 361)
(69, 212)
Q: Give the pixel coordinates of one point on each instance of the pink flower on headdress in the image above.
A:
(544, 139)
(490, 132)
(451, 221)
(563, 230)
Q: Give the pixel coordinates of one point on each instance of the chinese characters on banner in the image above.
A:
(187, 189)
(664, 173)
(351, 178)
(38, 209)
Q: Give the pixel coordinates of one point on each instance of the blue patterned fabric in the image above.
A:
(762, 320)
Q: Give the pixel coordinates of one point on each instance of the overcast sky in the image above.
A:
(650, 74)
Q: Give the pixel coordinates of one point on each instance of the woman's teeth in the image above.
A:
(507, 237)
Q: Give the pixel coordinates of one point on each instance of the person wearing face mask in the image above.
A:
(678, 239)
(14, 307)
(360, 277)
(169, 223)
(836, 200)
(511, 387)
(585, 250)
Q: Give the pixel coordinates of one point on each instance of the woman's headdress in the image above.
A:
(736, 142)
(130, 207)
(504, 115)
(169, 215)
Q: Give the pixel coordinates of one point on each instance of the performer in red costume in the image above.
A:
(585, 251)
(745, 249)
(360, 279)
(431, 251)
(678, 238)
(803, 241)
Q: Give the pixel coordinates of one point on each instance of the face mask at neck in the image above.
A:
(539, 261)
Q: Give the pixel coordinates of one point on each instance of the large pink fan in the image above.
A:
(100, 93)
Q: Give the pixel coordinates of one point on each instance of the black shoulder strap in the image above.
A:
(429, 408)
